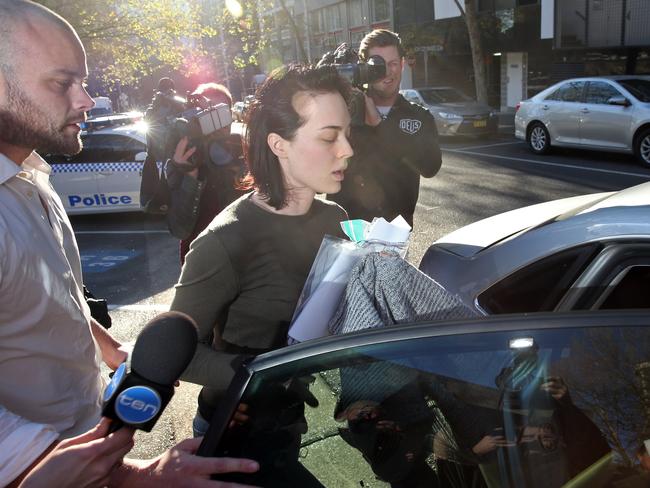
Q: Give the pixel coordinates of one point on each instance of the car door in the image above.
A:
(561, 112)
(509, 401)
(118, 172)
(603, 124)
(74, 180)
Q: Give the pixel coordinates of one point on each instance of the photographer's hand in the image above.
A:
(182, 155)
(373, 118)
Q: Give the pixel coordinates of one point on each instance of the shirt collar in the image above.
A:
(32, 164)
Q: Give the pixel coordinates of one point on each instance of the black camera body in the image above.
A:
(357, 73)
(170, 118)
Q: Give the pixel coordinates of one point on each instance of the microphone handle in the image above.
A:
(116, 424)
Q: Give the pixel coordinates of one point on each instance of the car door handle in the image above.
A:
(585, 110)
(544, 107)
(105, 173)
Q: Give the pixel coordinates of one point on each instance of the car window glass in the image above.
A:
(599, 92)
(106, 148)
(630, 289)
(442, 95)
(539, 286)
(468, 410)
(569, 92)
(637, 87)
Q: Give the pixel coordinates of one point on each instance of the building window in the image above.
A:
(356, 37)
(380, 10)
(356, 15)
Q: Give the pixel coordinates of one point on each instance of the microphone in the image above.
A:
(136, 396)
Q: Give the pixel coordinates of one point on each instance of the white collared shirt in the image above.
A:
(49, 361)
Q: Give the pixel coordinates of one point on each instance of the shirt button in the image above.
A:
(30, 194)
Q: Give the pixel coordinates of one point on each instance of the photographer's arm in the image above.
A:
(207, 286)
(185, 190)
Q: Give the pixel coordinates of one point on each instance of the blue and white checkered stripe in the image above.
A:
(130, 166)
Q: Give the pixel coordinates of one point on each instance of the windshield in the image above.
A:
(638, 87)
(443, 95)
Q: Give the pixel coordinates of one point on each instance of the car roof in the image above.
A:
(472, 239)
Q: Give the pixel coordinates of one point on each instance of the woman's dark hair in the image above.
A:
(273, 111)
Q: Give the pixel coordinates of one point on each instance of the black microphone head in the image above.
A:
(164, 348)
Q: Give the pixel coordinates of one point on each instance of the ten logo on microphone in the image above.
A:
(137, 405)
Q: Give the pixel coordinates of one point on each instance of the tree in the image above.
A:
(128, 39)
(470, 16)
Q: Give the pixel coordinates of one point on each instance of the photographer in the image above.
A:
(202, 178)
(397, 144)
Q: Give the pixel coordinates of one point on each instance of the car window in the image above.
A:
(460, 410)
(540, 286)
(568, 92)
(637, 87)
(102, 148)
(443, 95)
(630, 289)
(599, 92)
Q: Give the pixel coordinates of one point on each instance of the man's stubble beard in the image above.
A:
(24, 124)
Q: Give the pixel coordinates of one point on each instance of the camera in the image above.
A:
(170, 118)
(347, 64)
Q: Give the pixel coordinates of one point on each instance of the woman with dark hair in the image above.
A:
(244, 273)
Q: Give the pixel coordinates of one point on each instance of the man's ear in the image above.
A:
(277, 144)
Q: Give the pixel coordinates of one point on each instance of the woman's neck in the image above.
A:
(299, 202)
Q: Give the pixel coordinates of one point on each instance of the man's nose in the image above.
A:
(83, 101)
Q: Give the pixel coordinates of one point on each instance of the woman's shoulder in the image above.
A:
(329, 207)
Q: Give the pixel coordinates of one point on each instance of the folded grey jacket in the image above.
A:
(384, 289)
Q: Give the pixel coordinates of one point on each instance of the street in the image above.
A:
(132, 261)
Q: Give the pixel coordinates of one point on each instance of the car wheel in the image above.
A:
(642, 147)
(539, 140)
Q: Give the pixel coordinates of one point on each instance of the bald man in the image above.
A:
(50, 347)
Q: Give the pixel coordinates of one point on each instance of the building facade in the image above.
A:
(527, 44)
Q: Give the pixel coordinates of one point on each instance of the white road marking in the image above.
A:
(543, 163)
(153, 231)
(425, 207)
(486, 145)
(153, 307)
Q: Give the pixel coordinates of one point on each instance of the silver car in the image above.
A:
(584, 252)
(456, 114)
(603, 113)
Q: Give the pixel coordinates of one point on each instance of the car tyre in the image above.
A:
(642, 147)
(539, 140)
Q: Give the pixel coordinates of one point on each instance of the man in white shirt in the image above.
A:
(50, 347)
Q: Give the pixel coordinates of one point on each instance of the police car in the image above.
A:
(105, 176)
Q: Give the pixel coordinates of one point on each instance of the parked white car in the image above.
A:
(603, 113)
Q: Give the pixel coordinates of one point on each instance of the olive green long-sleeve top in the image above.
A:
(241, 281)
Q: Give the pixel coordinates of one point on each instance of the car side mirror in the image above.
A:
(141, 156)
(622, 101)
